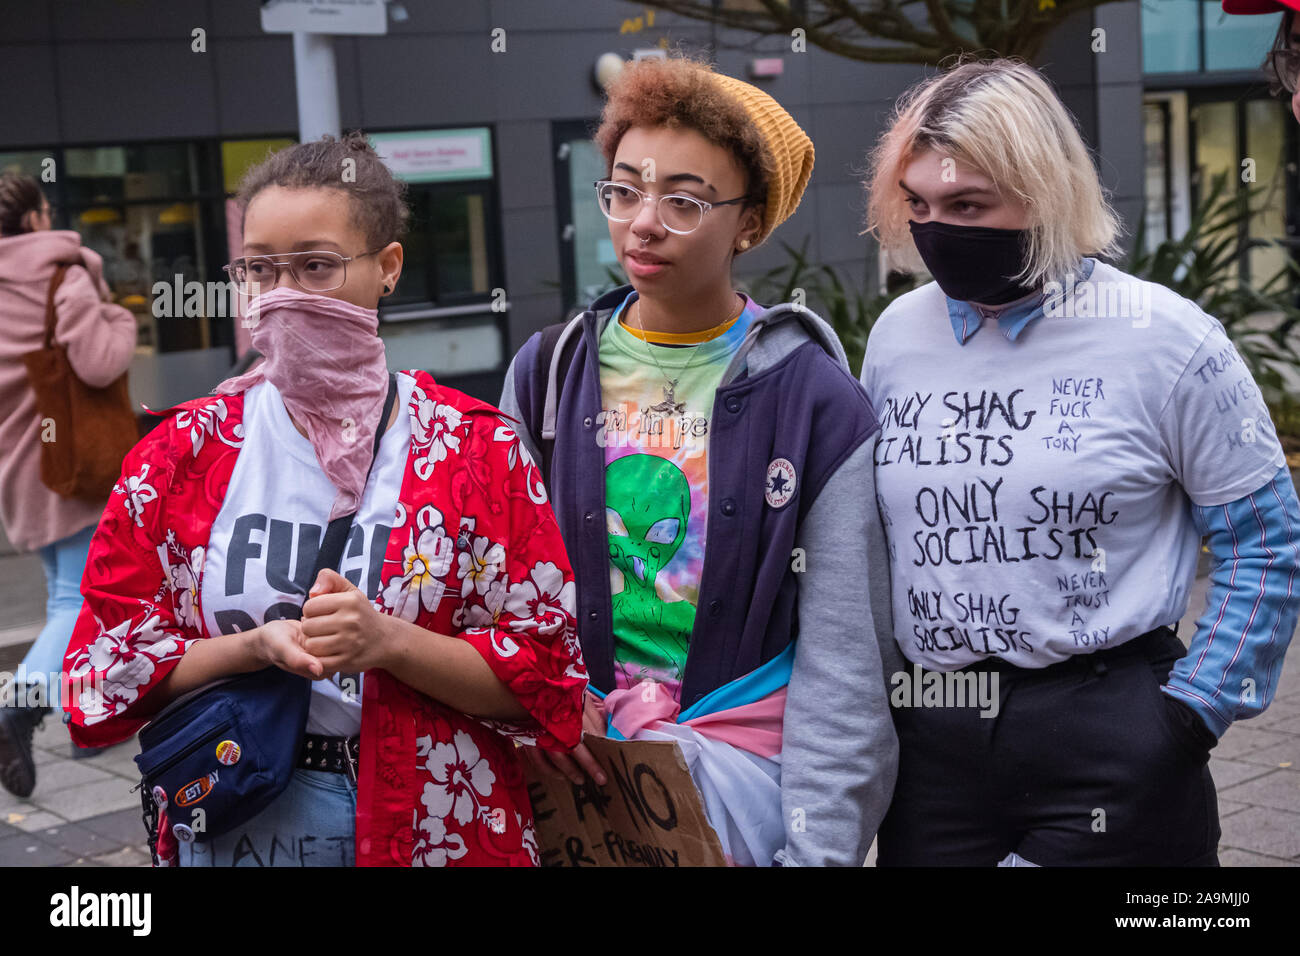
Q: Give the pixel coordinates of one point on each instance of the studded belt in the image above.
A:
(330, 754)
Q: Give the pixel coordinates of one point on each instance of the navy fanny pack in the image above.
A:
(218, 756)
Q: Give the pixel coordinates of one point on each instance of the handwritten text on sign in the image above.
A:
(649, 813)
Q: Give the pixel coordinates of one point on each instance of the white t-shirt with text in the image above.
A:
(264, 541)
(1035, 493)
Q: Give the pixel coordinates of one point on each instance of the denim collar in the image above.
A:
(966, 318)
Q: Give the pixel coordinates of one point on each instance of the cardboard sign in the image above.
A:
(649, 813)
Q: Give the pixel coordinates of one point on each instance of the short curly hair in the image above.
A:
(377, 199)
(677, 92)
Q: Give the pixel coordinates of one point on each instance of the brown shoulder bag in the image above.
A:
(85, 432)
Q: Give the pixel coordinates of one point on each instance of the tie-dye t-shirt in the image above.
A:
(655, 430)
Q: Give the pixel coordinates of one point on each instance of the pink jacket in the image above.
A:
(100, 338)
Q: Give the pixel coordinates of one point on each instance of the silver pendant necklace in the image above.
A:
(670, 405)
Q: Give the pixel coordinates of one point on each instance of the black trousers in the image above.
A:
(1083, 765)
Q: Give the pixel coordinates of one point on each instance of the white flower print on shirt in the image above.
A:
(433, 432)
(505, 432)
(137, 493)
(425, 560)
(183, 580)
(480, 566)
(462, 777)
(489, 612)
(435, 846)
(529, 838)
(544, 601)
(488, 616)
(127, 656)
(205, 421)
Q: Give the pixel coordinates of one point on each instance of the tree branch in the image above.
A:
(846, 27)
(938, 10)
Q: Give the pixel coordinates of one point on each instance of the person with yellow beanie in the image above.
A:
(709, 461)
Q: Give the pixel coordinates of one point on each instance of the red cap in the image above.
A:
(1260, 6)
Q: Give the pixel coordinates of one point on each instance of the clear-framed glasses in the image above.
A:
(314, 271)
(1283, 68)
(677, 212)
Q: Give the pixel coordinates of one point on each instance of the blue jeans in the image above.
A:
(312, 823)
(64, 562)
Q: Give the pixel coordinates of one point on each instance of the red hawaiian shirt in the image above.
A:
(474, 553)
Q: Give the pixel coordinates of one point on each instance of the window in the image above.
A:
(153, 212)
(1241, 137)
(140, 207)
(1194, 135)
(588, 262)
(1159, 189)
(445, 314)
(1196, 36)
(446, 259)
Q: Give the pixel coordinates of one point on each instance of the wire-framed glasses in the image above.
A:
(1283, 67)
(318, 270)
(678, 212)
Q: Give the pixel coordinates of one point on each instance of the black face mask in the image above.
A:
(973, 263)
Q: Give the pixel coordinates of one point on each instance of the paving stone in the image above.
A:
(1234, 857)
(16, 811)
(29, 850)
(79, 840)
(88, 800)
(1283, 755)
(1229, 773)
(1242, 739)
(1288, 725)
(127, 856)
(35, 822)
(61, 774)
(1228, 807)
(41, 756)
(52, 735)
(1279, 789)
(1273, 833)
(123, 827)
(119, 761)
(9, 802)
(1278, 712)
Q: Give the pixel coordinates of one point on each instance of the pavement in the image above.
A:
(83, 812)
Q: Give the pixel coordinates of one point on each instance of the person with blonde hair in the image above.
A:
(1057, 436)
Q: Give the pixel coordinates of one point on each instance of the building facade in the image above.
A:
(148, 131)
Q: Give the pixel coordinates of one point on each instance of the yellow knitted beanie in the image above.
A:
(789, 147)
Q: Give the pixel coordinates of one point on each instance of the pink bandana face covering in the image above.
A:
(325, 358)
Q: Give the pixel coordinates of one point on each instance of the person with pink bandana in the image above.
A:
(444, 634)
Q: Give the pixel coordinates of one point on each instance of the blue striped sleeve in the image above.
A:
(1235, 660)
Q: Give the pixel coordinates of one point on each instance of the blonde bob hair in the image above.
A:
(1002, 118)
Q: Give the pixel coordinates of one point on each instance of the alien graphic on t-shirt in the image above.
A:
(648, 502)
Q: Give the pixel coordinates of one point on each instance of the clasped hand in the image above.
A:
(340, 630)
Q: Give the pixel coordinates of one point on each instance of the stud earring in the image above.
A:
(744, 244)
